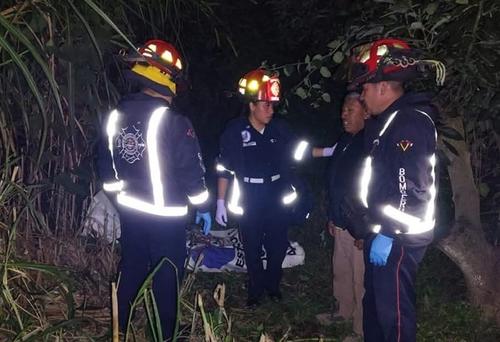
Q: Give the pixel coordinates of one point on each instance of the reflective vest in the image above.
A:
(132, 146)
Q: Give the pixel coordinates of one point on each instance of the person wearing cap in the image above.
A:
(398, 183)
(150, 162)
(257, 152)
(345, 165)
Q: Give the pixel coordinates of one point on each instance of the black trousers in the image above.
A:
(145, 240)
(264, 224)
(389, 302)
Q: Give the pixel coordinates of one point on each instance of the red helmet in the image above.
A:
(260, 85)
(389, 59)
(158, 67)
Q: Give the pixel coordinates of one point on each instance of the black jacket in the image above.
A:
(181, 170)
(402, 189)
(343, 175)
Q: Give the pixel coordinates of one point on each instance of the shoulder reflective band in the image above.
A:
(200, 198)
(387, 123)
(232, 204)
(299, 150)
(290, 197)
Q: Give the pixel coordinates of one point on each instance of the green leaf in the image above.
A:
(317, 56)
(431, 8)
(301, 92)
(326, 97)
(325, 72)
(462, 2)
(416, 25)
(307, 59)
(333, 44)
(338, 57)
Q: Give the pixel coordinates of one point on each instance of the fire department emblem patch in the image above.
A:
(245, 136)
(131, 145)
(275, 88)
(404, 145)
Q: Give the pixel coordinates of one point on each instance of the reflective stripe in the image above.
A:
(200, 198)
(113, 187)
(416, 225)
(275, 178)
(154, 160)
(232, 204)
(158, 206)
(366, 177)
(387, 123)
(299, 150)
(111, 131)
(289, 198)
(135, 203)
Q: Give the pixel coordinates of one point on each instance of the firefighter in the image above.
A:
(150, 162)
(256, 155)
(398, 183)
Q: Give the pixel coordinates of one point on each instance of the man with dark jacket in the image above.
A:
(398, 185)
(345, 165)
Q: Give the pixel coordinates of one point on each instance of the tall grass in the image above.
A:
(58, 75)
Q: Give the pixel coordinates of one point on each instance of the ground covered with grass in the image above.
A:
(443, 311)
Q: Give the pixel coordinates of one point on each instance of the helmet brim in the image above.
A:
(136, 79)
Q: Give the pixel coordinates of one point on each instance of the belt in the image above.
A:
(261, 180)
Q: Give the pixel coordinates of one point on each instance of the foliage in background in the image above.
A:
(59, 73)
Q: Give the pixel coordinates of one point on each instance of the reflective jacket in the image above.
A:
(150, 158)
(249, 156)
(398, 181)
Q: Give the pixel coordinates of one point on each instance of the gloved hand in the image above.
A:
(328, 151)
(207, 221)
(221, 213)
(380, 250)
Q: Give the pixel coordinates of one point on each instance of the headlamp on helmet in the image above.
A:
(260, 85)
(389, 59)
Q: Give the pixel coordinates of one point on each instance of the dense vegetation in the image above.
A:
(60, 71)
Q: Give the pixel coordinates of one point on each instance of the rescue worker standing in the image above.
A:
(398, 185)
(256, 154)
(151, 160)
(345, 165)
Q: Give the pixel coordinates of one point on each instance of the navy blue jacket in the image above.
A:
(402, 189)
(180, 165)
(343, 174)
(249, 153)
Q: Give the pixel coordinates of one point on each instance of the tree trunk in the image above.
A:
(466, 245)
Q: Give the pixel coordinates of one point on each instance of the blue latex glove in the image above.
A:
(380, 250)
(207, 221)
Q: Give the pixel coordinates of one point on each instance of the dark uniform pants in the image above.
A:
(264, 223)
(389, 301)
(145, 239)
